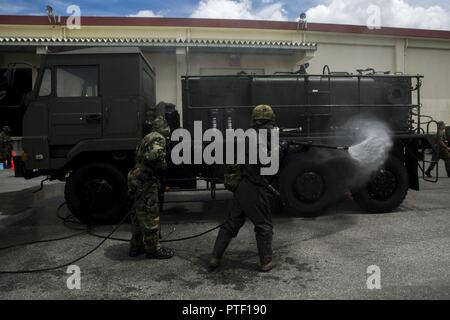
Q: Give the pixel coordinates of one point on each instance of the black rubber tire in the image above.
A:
(366, 201)
(293, 166)
(112, 207)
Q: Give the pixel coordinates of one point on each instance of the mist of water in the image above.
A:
(373, 148)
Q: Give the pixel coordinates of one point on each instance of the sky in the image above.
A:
(425, 14)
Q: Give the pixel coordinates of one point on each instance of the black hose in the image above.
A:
(42, 241)
(87, 230)
(73, 261)
(168, 240)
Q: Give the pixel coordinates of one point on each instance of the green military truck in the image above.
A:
(84, 118)
(90, 108)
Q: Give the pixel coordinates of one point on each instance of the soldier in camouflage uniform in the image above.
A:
(252, 200)
(441, 150)
(143, 185)
(6, 147)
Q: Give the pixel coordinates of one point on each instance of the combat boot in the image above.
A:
(428, 174)
(223, 240)
(162, 253)
(136, 247)
(264, 244)
(268, 265)
(153, 249)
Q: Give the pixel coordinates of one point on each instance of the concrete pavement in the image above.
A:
(321, 258)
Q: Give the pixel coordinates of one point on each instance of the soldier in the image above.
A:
(441, 150)
(251, 200)
(6, 147)
(143, 185)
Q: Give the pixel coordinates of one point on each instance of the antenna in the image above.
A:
(302, 23)
(51, 15)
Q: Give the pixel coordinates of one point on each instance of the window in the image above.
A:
(46, 84)
(77, 81)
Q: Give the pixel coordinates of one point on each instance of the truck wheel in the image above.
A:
(97, 194)
(307, 185)
(386, 190)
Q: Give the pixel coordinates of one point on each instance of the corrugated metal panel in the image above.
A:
(144, 42)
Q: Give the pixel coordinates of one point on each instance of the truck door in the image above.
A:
(76, 111)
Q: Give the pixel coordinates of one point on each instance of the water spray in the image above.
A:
(373, 148)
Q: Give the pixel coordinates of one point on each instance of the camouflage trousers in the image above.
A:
(253, 202)
(144, 211)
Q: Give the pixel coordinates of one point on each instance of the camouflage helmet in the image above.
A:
(263, 112)
(160, 125)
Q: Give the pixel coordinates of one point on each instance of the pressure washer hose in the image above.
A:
(87, 230)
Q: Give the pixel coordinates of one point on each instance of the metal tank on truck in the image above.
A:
(316, 112)
(86, 115)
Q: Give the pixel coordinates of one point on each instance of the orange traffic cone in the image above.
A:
(13, 154)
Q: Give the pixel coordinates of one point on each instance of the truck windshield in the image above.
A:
(46, 84)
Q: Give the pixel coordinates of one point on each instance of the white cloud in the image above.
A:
(146, 13)
(11, 8)
(394, 13)
(239, 9)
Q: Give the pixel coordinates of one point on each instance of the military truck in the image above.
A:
(90, 107)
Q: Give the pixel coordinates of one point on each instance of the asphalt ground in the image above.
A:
(318, 258)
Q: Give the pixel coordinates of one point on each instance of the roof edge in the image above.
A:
(229, 23)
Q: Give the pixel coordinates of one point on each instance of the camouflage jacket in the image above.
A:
(5, 143)
(151, 154)
(149, 167)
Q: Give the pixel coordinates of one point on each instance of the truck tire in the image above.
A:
(307, 185)
(97, 194)
(386, 190)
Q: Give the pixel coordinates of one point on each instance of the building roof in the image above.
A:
(151, 42)
(227, 23)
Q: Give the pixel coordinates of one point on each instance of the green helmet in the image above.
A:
(263, 112)
(159, 123)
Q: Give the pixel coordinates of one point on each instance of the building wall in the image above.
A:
(230, 63)
(342, 52)
(434, 65)
(345, 57)
(165, 65)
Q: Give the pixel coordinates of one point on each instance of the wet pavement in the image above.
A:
(319, 258)
(18, 195)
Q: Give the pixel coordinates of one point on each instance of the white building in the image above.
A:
(202, 47)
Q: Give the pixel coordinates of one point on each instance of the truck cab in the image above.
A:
(87, 112)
